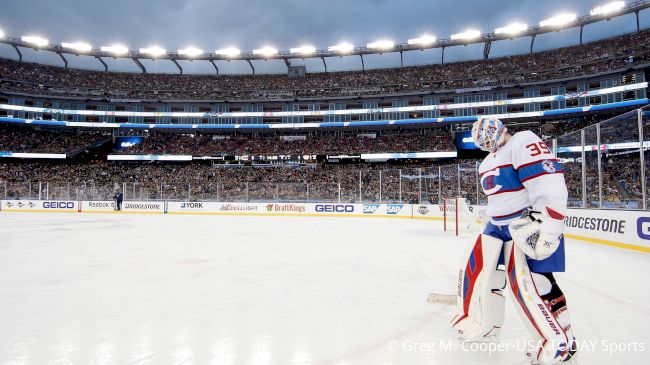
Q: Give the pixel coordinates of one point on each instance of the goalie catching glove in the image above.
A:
(538, 234)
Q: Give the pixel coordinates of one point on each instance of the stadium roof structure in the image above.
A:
(563, 21)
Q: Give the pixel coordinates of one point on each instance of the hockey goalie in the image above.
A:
(521, 246)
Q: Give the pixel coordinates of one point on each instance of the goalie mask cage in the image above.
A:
(458, 217)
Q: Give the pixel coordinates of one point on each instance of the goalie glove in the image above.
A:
(537, 234)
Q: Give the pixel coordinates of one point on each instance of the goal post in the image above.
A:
(460, 217)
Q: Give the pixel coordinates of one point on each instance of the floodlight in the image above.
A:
(514, 28)
(467, 35)
(341, 48)
(116, 49)
(35, 40)
(381, 44)
(190, 52)
(154, 51)
(265, 51)
(306, 50)
(608, 8)
(558, 20)
(2, 34)
(423, 40)
(228, 52)
(78, 46)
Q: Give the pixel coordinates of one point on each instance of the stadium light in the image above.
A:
(2, 34)
(154, 51)
(341, 48)
(514, 28)
(116, 49)
(78, 46)
(466, 35)
(607, 9)
(424, 40)
(35, 40)
(381, 44)
(265, 51)
(558, 20)
(305, 50)
(190, 52)
(228, 52)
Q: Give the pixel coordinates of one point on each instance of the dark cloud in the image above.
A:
(249, 24)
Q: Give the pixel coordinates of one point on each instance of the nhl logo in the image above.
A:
(423, 210)
(548, 166)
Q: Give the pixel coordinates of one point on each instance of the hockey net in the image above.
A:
(460, 217)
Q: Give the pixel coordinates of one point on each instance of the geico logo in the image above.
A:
(643, 227)
(334, 208)
(192, 205)
(370, 208)
(394, 208)
(58, 205)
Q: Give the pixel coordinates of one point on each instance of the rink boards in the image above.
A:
(625, 229)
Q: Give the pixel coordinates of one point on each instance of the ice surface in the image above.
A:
(140, 289)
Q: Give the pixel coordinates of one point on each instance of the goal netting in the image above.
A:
(461, 217)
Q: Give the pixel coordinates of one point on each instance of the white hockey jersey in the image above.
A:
(523, 173)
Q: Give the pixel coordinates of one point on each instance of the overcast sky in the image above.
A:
(250, 24)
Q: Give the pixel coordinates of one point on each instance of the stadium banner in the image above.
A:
(404, 109)
(307, 209)
(620, 228)
(98, 206)
(387, 210)
(398, 122)
(464, 141)
(157, 207)
(149, 158)
(51, 156)
(122, 143)
(40, 206)
(428, 211)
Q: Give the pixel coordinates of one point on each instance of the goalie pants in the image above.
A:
(554, 263)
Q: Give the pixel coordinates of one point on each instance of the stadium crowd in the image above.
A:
(569, 62)
(27, 139)
(349, 183)
(211, 145)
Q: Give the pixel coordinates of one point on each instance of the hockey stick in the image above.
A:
(437, 298)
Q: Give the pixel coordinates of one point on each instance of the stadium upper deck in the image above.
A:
(618, 53)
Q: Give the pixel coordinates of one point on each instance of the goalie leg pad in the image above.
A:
(479, 298)
(541, 306)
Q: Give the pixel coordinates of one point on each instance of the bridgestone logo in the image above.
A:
(596, 224)
(142, 206)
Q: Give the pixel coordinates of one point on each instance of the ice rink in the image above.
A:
(142, 289)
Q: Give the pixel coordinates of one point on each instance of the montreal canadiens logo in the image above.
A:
(548, 166)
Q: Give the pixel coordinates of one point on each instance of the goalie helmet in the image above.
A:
(489, 134)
